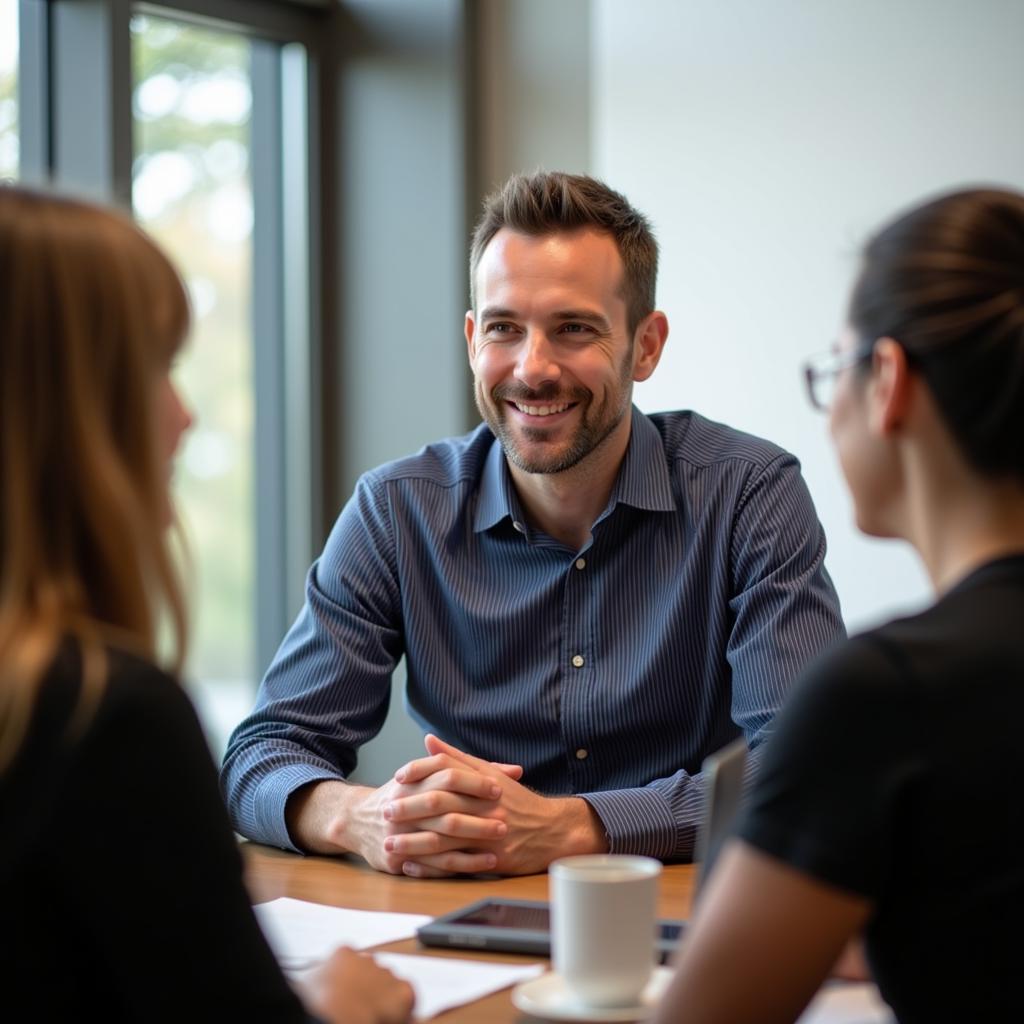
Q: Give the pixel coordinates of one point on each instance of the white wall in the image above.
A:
(533, 87)
(766, 138)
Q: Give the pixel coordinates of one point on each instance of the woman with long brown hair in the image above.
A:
(120, 880)
(889, 802)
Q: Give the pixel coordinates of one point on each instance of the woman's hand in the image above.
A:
(352, 989)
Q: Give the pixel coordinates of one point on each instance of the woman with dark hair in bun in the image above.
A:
(891, 800)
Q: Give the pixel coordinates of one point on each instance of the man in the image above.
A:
(589, 600)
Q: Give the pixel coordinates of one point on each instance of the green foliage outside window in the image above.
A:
(191, 191)
(8, 88)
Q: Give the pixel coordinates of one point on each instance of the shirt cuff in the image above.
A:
(271, 796)
(636, 821)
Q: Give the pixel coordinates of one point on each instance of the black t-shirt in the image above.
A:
(896, 772)
(120, 880)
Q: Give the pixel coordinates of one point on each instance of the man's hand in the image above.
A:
(453, 804)
(352, 989)
(537, 829)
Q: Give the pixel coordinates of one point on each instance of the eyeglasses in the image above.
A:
(821, 372)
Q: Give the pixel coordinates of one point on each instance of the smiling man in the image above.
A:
(590, 600)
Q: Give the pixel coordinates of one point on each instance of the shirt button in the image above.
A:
(581, 754)
(518, 526)
(581, 563)
(577, 660)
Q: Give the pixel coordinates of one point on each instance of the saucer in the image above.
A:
(549, 998)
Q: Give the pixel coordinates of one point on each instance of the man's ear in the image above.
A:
(890, 387)
(648, 343)
(469, 327)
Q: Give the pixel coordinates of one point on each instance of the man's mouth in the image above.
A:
(542, 410)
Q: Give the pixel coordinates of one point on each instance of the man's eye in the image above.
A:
(576, 329)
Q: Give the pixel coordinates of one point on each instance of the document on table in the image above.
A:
(848, 1003)
(442, 982)
(302, 934)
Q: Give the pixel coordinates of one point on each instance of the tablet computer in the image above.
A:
(516, 926)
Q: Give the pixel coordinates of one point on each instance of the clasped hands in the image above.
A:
(451, 813)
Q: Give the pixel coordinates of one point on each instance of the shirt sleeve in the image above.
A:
(784, 609)
(784, 613)
(660, 819)
(340, 654)
(836, 771)
(159, 873)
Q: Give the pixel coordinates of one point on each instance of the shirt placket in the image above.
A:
(579, 668)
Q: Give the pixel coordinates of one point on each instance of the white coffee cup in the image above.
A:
(603, 910)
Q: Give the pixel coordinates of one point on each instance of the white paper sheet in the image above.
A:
(302, 934)
(846, 1003)
(443, 982)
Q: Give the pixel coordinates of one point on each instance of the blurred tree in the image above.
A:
(8, 88)
(192, 192)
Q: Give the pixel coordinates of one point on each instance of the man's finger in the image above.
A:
(449, 775)
(421, 767)
(436, 803)
(416, 870)
(456, 862)
(437, 746)
(445, 827)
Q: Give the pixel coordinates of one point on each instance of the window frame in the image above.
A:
(76, 134)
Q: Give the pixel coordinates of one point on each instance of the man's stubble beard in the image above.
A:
(589, 435)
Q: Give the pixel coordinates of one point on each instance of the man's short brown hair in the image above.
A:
(552, 201)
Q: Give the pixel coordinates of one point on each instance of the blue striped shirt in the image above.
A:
(608, 672)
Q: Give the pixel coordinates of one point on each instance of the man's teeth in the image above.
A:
(541, 410)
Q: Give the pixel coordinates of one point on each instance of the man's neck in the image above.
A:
(565, 505)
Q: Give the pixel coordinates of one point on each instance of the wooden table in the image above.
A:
(350, 883)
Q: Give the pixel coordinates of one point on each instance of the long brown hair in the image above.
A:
(92, 314)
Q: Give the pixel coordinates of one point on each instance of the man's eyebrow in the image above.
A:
(560, 315)
(497, 313)
(582, 314)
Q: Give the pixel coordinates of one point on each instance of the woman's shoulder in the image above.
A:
(966, 649)
(865, 660)
(859, 686)
(92, 688)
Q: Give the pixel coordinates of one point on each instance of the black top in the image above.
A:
(121, 894)
(896, 772)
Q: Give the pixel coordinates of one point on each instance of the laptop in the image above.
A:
(723, 774)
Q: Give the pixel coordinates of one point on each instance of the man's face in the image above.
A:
(551, 353)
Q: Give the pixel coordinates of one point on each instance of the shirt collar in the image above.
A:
(643, 479)
(497, 499)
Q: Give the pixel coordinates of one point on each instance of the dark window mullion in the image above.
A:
(269, 483)
(91, 97)
(33, 92)
(300, 348)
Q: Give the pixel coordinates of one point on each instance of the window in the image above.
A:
(332, 229)
(191, 189)
(202, 116)
(8, 88)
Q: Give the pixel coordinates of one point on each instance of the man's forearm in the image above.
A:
(328, 816)
(581, 830)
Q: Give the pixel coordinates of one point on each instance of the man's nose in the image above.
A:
(536, 364)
